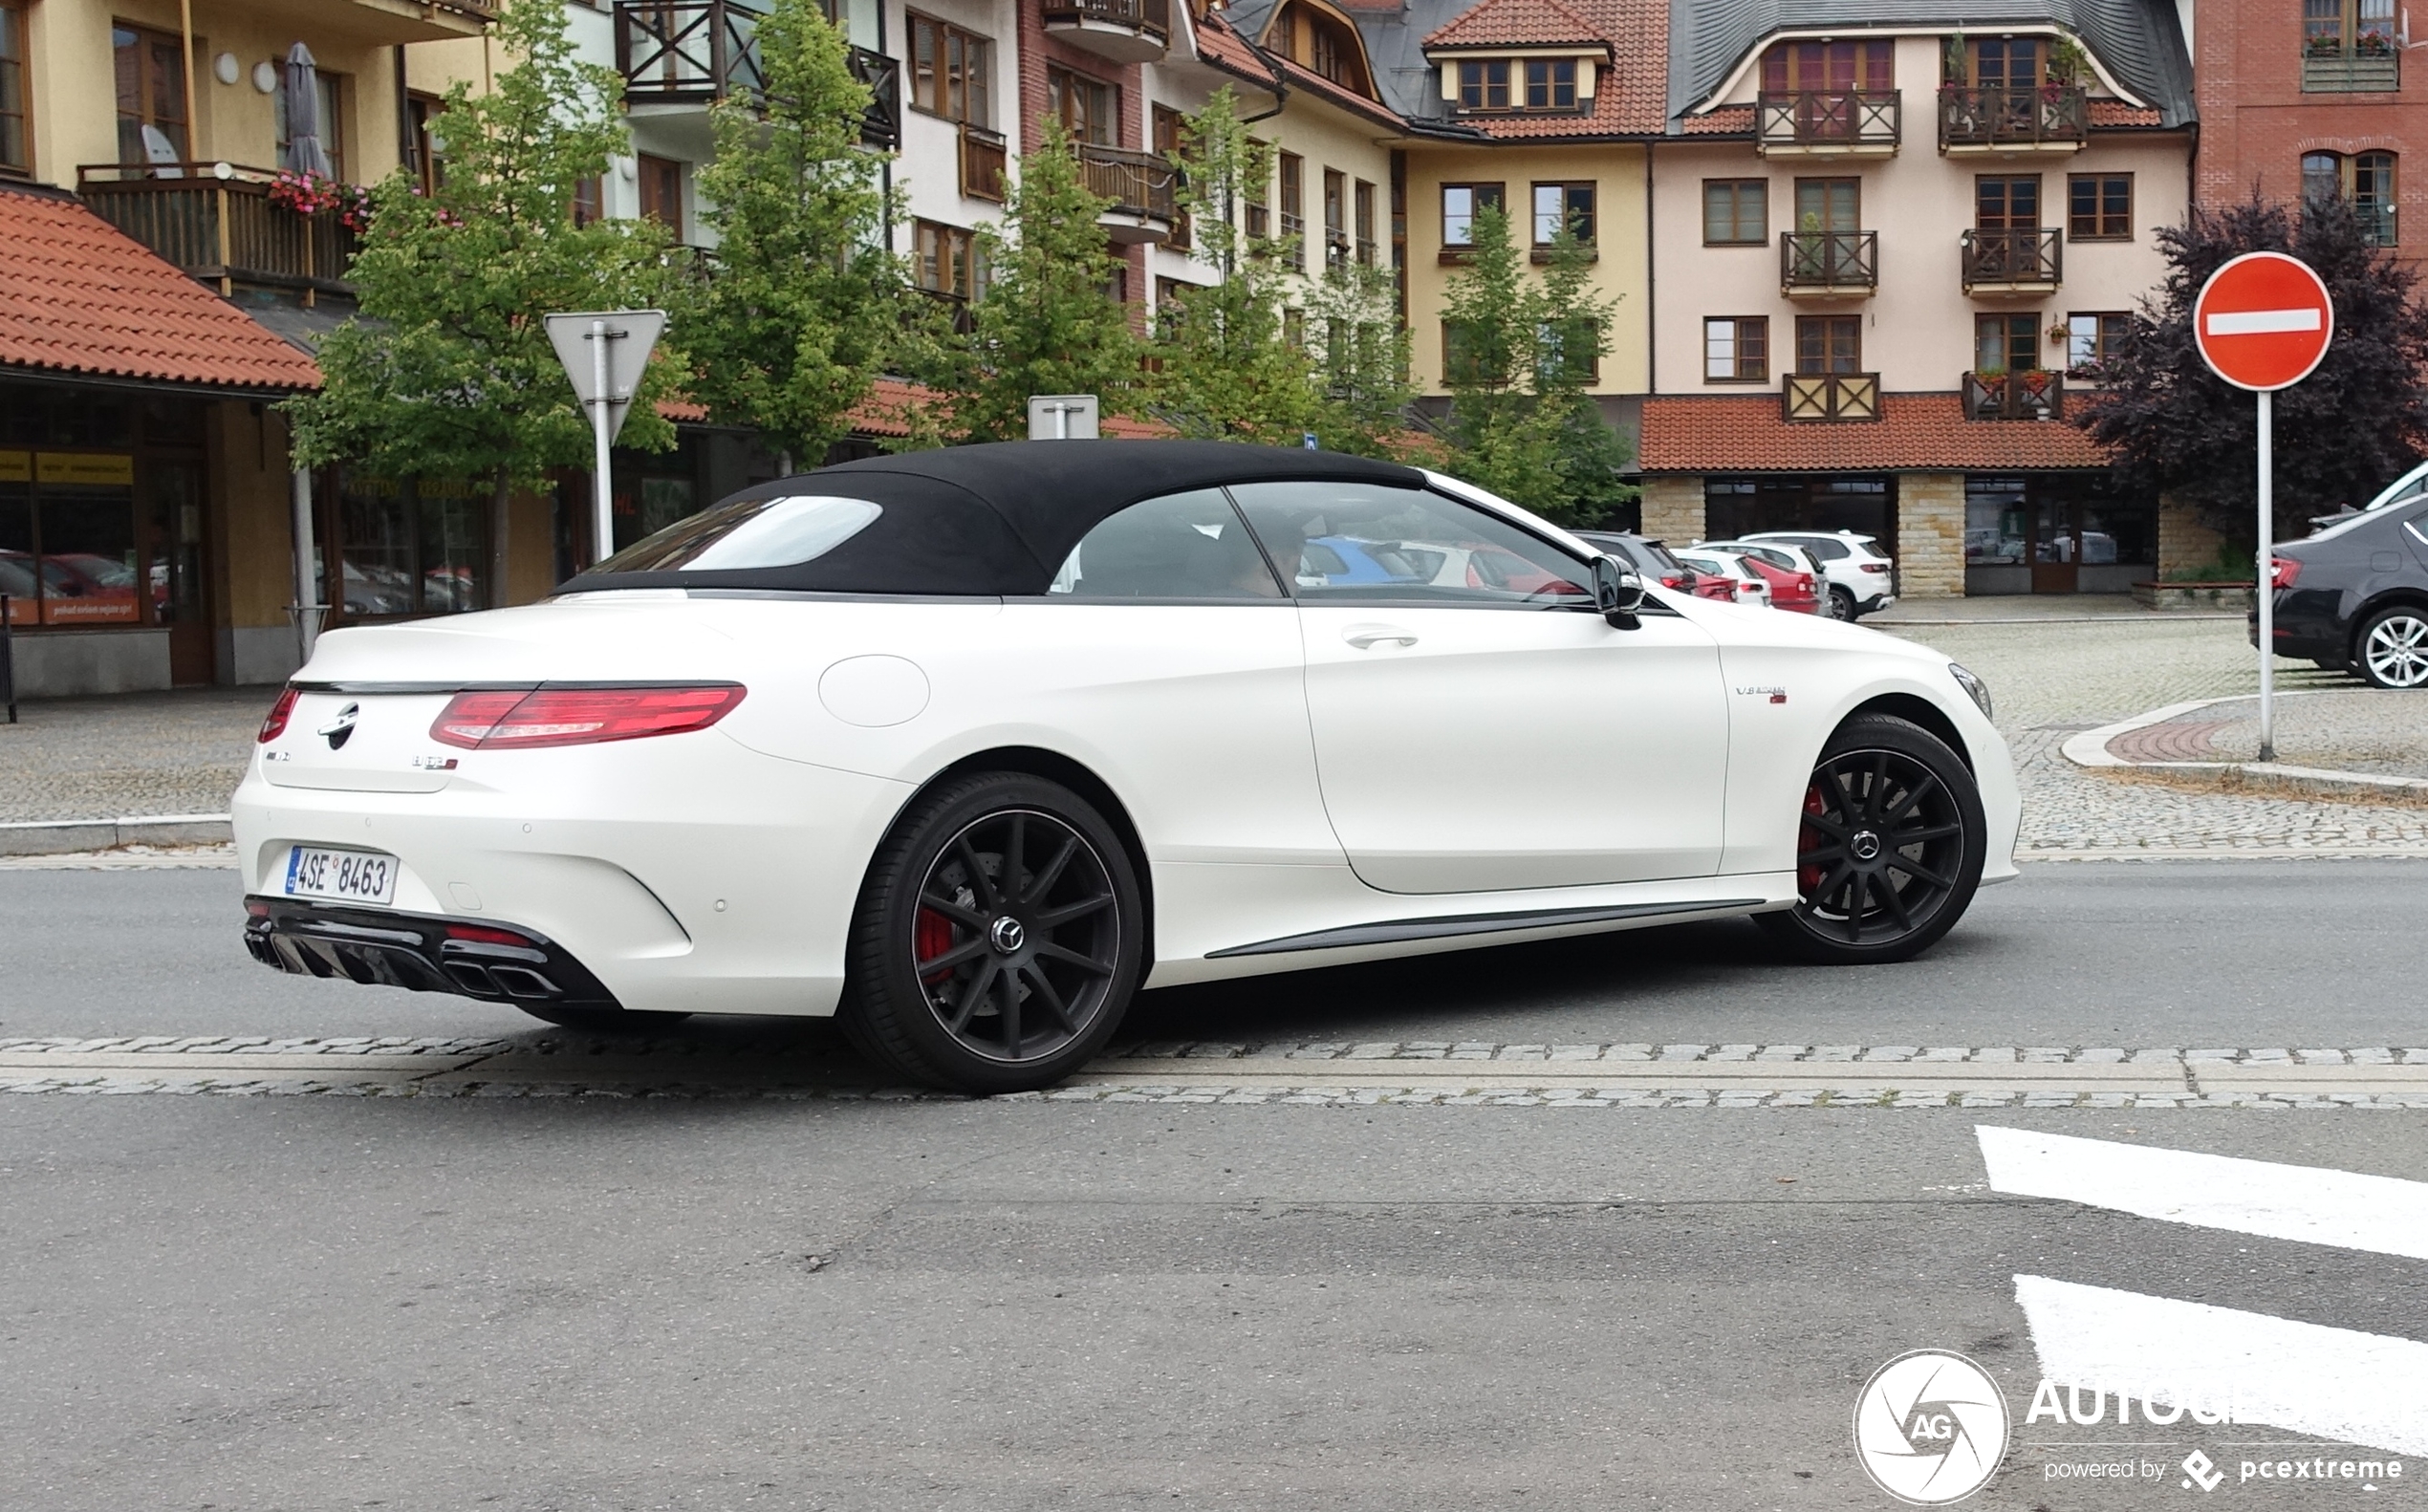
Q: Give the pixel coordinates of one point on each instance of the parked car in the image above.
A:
(1748, 586)
(967, 746)
(2353, 596)
(1861, 579)
(1795, 578)
(1657, 564)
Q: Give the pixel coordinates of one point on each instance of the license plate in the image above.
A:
(352, 877)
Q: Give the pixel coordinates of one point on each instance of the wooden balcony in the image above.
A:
(218, 222)
(1829, 123)
(2028, 261)
(881, 127)
(687, 52)
(372, 23)
(2032, 393)
(2054, 117)
(1123, 31)
(1828, 265)
(1144, 188)
(1820, 397)
(985, 159)
(2374, 67)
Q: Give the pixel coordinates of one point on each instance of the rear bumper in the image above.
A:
(380, 947)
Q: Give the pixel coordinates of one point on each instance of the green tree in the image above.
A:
(805, 303)
(1361, 363)
(447, 369)
(1226, 372)
(1519, 354)
(1045, 322)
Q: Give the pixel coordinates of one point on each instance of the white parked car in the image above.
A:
(1753, 589)
(1861, 577)
(969, 746)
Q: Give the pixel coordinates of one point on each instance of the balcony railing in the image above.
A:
(2029, 259)
(984, 159)
(1294, 233)
(956, 309)
(1144, 188)
(218, 222)
(1123, 31)
(883, 126)
(1829, 262)
(1818, 397)
(2370, 67)
(1977, 120)
(687, 52)
(2029, 394)
(1820, 122)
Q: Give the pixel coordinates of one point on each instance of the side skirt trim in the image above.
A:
(1393, 930)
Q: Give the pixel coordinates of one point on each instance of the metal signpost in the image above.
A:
(604, 352)
(2263, 322)
(1062, 417)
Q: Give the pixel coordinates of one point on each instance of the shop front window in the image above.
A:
(67, 539)
(415, 546)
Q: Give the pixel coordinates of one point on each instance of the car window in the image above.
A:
(1776, 558)
(781, 532)
(1181, 546)
(1358, 541)
(1824, 547)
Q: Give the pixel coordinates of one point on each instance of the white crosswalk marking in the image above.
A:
(2332, 1383)
(2314, 1205)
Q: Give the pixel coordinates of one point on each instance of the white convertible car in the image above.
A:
(967, 747)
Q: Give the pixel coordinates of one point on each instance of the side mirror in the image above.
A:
(1618, 593)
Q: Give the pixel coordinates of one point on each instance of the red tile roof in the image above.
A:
(1629, 98)
(1727, 120)
(79, 295)
(2117, 113)
(1225, 48)
(1501, 23)
(1916, 432)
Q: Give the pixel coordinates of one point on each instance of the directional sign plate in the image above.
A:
(2264, 321)
(630, 333)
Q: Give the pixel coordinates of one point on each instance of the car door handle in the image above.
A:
(1365, 637)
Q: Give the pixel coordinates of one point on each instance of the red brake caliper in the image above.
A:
(931, 937)
(1808, 841)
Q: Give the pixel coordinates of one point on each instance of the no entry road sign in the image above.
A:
(2263, 321)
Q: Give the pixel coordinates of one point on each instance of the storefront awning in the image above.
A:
(80, 299)
(1915, 433)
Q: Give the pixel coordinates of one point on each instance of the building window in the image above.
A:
(1737, 349)
(1293, 171)
(1367, 251)
(419, 546)
(151, 95)
(1550, 83)
(331, 89)
(2093, 337)
(2005, 62)
(2006, 204)
(1829, 205)
(1335, 218)
(1569, 350)
(1735, 212)
(67, 538)
(2337, 27)
(1464, 356)
(16, 142)
(1790, 68)
(424, 167)
(1461, 204)
(1829, 344)
(946, 260)
(662, 192)
(1563, 205)
(1088, 109)
(2365, 181)
(951, 72)
(590, 201)
(1259, 196)
(2005, 343)
(2099, 207)
(1485, 85)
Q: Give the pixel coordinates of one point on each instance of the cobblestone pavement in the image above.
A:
(2051, 679)
(129, 754)
(2371, 730)
(1444, 1073)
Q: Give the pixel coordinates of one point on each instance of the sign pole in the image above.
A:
(603, 537)
(2264, 588)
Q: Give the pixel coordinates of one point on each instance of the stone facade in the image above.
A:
(2186, 545)
(1674, 508)
(1930, 534)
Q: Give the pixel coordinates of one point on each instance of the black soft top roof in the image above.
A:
(997, 518)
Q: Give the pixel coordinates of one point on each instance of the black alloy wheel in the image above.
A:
(1841, 605)
(2393, 649)
(999, 938)
(1890, 845)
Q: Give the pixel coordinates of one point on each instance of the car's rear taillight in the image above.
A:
(2282, 571)
(1675, 583)
(1876, 567)
(1805, 582)
(483, 935)
(274, 724)
(516, 720)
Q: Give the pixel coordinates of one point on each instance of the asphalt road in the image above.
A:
(321, 1302)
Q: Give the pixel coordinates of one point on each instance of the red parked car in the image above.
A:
(1796, 582)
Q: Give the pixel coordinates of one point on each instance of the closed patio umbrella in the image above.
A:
(302, 90)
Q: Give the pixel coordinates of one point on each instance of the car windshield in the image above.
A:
(781, 532)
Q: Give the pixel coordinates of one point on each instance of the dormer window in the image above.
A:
(1550, 84)
(1524, 83)
(1322, 41)
(1485, 86)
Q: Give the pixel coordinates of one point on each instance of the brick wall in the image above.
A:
(1930, 534)
(1674, 508)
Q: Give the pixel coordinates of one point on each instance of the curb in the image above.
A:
(2090, 749)
(64, 836)
(2170, 617)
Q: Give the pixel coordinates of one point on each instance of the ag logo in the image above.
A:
(1930, 1427)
